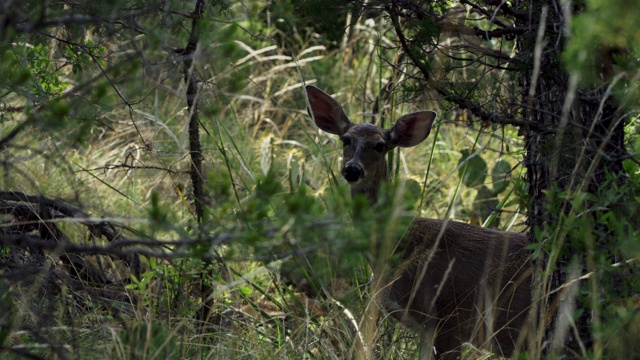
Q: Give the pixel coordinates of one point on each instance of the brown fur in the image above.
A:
(456, 283)
(483, 297)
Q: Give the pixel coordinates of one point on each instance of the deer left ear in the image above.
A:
(412, 129)
(327, 112)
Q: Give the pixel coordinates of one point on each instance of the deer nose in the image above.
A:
(352, 172)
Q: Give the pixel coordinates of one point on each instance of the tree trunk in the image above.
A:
(575, 140)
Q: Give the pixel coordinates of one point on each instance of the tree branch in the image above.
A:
(460, 101)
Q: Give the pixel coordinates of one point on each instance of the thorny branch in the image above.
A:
(395, 13)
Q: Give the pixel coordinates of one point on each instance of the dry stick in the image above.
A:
(195, 149)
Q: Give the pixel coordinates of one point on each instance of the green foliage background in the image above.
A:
(93, 111)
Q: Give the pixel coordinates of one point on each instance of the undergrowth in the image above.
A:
(289, 272)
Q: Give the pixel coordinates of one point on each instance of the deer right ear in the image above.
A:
(327, 112)
(412, 129)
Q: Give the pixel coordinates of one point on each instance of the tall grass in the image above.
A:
(294, 281)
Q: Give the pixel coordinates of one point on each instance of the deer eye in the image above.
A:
(379, 147)
(345, 141)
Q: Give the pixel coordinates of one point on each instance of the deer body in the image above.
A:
(482, 298)
(456, 283)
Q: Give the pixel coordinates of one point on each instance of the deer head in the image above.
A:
(365, 145)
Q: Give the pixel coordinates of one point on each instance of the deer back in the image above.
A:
(466, 283)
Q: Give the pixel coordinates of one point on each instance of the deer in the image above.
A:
(456, 283)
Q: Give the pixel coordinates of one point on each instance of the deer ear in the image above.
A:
(412, 129)
(327, 112)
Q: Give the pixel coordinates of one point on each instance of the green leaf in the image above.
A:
(156, 212)
(485, 202)
(474, 172)
(295, 169)
(499, 175)
(266, 155)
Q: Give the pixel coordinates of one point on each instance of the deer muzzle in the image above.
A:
(353, 172)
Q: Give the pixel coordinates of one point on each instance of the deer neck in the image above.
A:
(370, 187)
